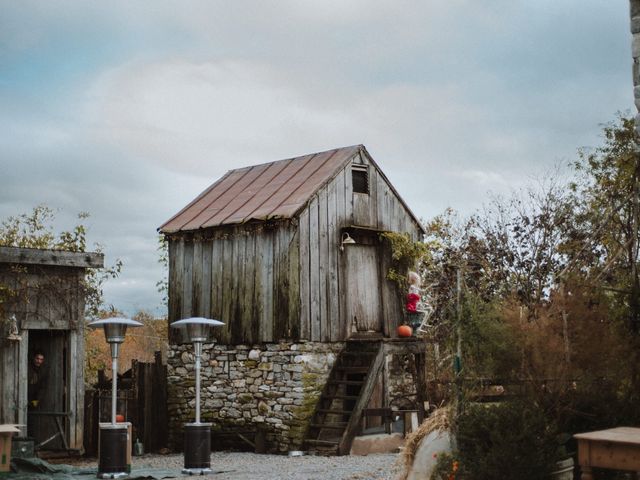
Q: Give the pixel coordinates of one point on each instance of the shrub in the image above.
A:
(509, 441)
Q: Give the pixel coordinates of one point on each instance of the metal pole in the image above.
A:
(197, 347)
(114, 388)
(115, 347)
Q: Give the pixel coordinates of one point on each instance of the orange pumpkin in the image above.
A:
(119, 418)
(404, 331)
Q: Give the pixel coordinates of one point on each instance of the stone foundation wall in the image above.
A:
(273, 387)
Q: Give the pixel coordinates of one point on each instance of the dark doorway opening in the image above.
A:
(48, 418)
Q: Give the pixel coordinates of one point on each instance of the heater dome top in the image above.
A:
(114, 321)
(197, 321)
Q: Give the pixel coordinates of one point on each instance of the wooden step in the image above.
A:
(330, 426)
(347, 382)
(354, 369)
(340, 397)
(322, 443)
(358, 354)
(334, 412)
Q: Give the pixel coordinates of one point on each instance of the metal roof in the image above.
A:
(270, 190)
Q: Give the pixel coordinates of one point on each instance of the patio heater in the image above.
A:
(114, 461)
(197, 435)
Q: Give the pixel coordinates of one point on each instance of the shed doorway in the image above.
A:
(363, 290)
(48, 420)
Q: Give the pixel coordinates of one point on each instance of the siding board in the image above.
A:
(334, 239)
(323, 265)
(304, 275)
(314, 272)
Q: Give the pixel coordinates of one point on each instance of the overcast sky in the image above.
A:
(129, 109)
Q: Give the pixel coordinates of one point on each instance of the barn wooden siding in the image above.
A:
(244, 275)
(284, 279)
(332, 210)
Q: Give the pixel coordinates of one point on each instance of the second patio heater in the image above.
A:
(197, 435)
(114, 461)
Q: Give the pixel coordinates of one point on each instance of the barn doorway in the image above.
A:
(48, 419)
(363, 288)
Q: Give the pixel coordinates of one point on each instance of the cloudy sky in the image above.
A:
(128, 110)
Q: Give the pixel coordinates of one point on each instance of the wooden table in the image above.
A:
(615, 448)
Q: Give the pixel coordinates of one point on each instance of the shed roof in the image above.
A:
(272, 190)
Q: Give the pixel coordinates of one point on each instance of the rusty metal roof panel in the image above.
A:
(277, 189)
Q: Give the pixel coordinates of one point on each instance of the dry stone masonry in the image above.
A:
(269, 387)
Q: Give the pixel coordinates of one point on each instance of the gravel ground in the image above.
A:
(251, 466)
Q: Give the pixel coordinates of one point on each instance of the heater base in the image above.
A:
(113, 475)
(114, 450)
(197, 448)
(197, 471)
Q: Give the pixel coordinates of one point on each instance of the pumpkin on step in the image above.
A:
(404, 331)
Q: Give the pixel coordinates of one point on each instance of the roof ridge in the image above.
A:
(358, 145)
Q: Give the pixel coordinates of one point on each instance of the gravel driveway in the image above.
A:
(251, 466)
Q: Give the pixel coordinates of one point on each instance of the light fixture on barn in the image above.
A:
(346, 240)
(114, 459)
(197, 435)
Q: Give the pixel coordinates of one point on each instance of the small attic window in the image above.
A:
(360, 179)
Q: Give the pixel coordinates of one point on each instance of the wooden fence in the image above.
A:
(142, 399)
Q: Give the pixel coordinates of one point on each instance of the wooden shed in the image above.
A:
(262, 249)
(42, 299)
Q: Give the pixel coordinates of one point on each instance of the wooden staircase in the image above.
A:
(338, 413)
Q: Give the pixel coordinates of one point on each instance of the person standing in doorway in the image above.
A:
(37, 379)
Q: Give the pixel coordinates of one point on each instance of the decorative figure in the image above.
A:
(14, 333)
(413, 299)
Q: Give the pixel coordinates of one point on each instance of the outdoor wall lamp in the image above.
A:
(197, 435)
(114, 437)
(346, 240)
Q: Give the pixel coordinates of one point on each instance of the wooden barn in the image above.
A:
(288, 252)
(42, 311)
(262, 250)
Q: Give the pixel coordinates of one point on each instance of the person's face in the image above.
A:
(38, 360)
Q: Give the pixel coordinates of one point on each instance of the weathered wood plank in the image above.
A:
(60, 258)
(23, 375)
(267, 277)
(304, 275)
(373, 196)
(314, 271)
(236, 264)
(176, 288)
(294, 284)
(333, 236)
(196, 282)
(187, 281)
(324, 267)
(205, 287)
(227, 290)
(248, 299)
(216, 287)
